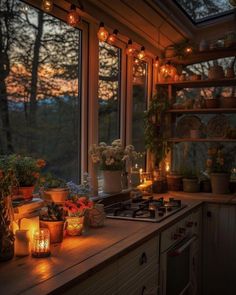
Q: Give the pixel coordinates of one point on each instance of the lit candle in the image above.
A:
(41, 243)
(22, 243)
(30, 224)
(140, 174)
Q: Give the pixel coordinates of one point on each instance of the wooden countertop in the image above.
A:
(78, 257)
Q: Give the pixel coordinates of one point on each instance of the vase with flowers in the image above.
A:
(112, 160)
(75, 209)
(27, 171)
(218, 167)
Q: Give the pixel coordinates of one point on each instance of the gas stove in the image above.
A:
(152, 210)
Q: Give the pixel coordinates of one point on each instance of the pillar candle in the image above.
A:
(30, 224)
(22, 243)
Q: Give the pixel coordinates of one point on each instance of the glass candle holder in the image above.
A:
(41, 243)
(74, 225)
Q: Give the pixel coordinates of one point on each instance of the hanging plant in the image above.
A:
(155, 140)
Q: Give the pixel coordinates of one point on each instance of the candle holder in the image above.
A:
(41, 243)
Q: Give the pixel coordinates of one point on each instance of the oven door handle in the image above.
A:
(181, 249)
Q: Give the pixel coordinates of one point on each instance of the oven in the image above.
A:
(177, 263)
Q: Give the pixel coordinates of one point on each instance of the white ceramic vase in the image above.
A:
(112, 181)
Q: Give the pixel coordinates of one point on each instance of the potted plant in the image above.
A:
(190, 182)
(218, 167)
(75, 209)
(27, 171)
(112, 161)
(54, 188)
(7, 182)
(52, 217)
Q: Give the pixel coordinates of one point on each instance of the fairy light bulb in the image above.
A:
(102, 33)
(157, 62)
(130, 49)
(141, 54)
(47, 5)
(73, 17)
(112, 37)
(188, 50)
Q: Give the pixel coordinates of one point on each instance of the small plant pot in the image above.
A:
(26, 192)
(96, 216)
(228, 102)
(205, 186)
(212, 103)
(174, 182)
(56, 229)
(191, 185)
(220, 183)
(56, 195)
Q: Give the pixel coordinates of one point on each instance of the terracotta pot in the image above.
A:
(174, 182)
(112, 181)
(220, 183)
(56, 195)
(26, 192)
(191, 185)
(74, 225)
(212, 103)
(228, 102)
(56, 229)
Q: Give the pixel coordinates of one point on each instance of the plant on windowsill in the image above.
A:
(54, 188)
(26, 170)
(155, 140)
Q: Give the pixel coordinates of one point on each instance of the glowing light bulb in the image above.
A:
(157, 62)
(47, 5)
(188, 50)
(112, 37)
(102, 33)
(73, 17)
(141, 54)
(130, 49)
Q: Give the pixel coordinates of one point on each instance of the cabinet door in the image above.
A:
(219, 249)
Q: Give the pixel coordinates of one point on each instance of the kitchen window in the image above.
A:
(109, 92)
(40, 91)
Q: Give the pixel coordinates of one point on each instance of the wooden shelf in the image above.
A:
(202, 111)
(201, 83)
(201, 140)
(202, 56)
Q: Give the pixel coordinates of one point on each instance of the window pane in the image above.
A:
(109, 92)
(139, 106)
(41, 114)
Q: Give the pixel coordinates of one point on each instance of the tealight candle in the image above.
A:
(41, 243)
(22, 243)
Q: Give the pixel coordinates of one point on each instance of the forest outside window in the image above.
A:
(40, 88)
(109, 92)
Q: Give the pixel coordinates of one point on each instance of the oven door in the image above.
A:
(176, 268)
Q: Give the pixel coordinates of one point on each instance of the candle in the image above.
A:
(41, 243)
(30, 224)
(22, 243)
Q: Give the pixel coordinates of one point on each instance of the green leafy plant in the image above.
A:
(26, 169)
(49, 181)
(52, 212)
(155, 127)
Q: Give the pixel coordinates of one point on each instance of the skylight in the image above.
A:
(201, 10)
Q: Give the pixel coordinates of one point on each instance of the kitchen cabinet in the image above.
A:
(133, 273)
(219, 251)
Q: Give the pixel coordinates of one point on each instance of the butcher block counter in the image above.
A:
(79, 257)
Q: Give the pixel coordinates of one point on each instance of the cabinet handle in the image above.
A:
(143, 258)
(143, 290)
(209, 214)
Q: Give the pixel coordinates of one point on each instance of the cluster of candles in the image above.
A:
(31, 238)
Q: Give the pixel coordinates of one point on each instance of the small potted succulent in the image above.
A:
(54, 189)
(52, 217)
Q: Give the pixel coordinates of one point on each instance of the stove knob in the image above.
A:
(182, 230)
(189, 224)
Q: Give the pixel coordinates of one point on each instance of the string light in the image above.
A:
(73, 17)
(102, 33)
(157, 62)
(188, 50)
(141, 54)
(47, 5)
(130, 49)
(112, 37)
